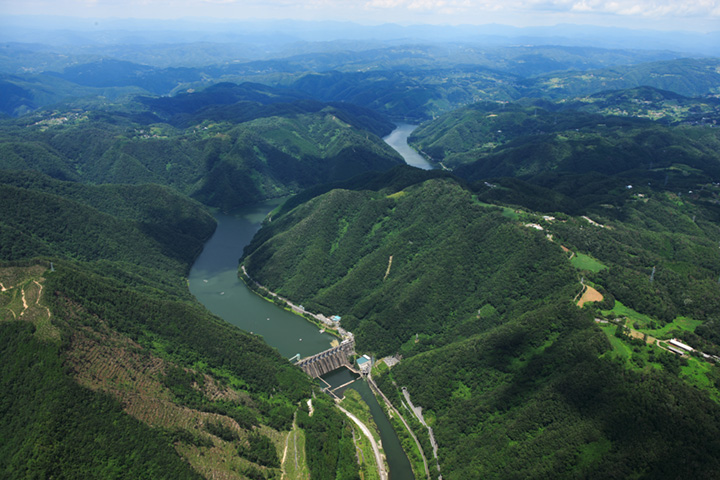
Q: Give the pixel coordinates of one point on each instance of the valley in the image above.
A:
(359, 259)
(214, 281)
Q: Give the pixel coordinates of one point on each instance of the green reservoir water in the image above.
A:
(214, 281)
(398, 462)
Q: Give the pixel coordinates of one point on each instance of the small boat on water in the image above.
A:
(322, 331)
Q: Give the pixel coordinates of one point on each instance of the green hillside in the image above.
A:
(396, 264)
(528, 288)
(522, 141)
(415, 81)
(610, 148)
(688, 77)
(482, 302)
(647, 102)
(222, 163)
(148, 235)
(111, 368)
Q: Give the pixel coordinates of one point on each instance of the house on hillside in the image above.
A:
(678, 344)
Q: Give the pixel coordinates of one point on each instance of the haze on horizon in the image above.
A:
(692, 15)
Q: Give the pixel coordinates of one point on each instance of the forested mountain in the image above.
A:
(664, 106)
(688, 77)
(471, 133)
(227, 153)
(413, 81)
(101, 340)
(513, 377)
(23, 94)
(528, 289)
(334, 251)
(424, 93)
(153, 231)
(573, 157)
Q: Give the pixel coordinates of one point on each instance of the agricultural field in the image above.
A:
(645, 324)
(582, 261)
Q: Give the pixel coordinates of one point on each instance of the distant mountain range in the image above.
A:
(410, 82)
(280, 38)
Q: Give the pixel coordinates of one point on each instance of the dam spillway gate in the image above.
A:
(328, 360)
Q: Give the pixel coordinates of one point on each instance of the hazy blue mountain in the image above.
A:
(277, 35)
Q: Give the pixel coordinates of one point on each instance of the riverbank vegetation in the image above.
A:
(329, 446)
(353, 403)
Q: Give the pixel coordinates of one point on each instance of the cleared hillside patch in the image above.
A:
(586, 262)
(20, 299)
(589, 295)
(104, 360)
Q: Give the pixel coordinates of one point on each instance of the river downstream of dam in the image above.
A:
(214, 281)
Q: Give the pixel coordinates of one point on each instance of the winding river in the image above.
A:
(214, 281)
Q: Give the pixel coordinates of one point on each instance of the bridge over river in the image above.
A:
(328, 360)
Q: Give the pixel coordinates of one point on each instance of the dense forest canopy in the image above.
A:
(225, 155)
(106, 318)
(450, 257)
(529, 286)
(480, 304)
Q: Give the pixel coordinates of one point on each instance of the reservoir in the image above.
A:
(398, 141)
(214, 281)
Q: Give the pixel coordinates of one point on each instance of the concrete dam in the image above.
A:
(328, 360)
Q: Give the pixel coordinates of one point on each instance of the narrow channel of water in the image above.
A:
(398, 463)
(340, 377)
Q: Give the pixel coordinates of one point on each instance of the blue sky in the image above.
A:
(693, 15)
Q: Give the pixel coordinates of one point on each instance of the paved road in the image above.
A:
(376, 449)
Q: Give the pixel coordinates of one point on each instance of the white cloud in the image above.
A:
(645, 8)
(654, 14)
